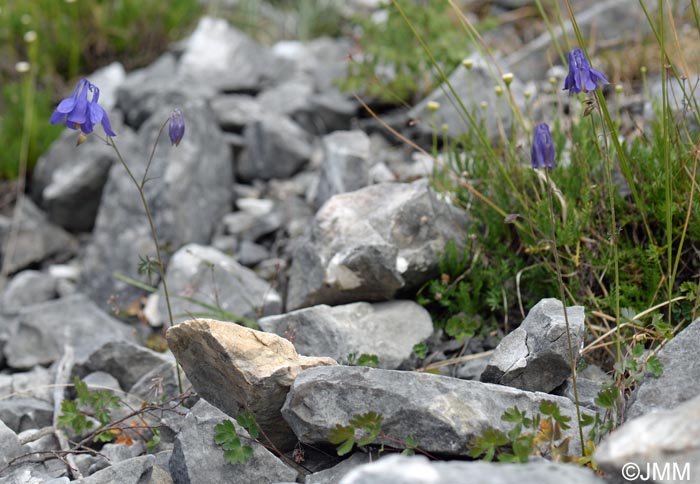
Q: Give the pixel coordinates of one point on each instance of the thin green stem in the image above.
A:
(621, 153)
(613, 241)
(562, 296)
(154, 235)
(666, 153)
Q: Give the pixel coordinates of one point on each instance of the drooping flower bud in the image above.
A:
(542, 148)
(176, 129)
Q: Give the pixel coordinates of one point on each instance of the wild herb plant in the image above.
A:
(605, 222)
(540, 435)
(366, 429)
(82, 112)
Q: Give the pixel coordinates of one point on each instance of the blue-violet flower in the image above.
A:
(78, 111)
(176, 130)
(542, 148)
(582, 77)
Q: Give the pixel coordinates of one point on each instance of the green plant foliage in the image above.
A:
(541, 435)
(226, 437)
(392, 65)
(420, 350)
(246, 420)
(363, 429)
(371, 361)
(76, 414)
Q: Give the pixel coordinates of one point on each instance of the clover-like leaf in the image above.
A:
(246, 420)
(371, 423)
(343, 436)
(226, 437)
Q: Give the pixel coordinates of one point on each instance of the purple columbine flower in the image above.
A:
(582, 77)
(79, 112)
(176, 130)
(542, 148)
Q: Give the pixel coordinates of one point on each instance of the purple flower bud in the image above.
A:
(542, 148)
(77, 112)
(582, 77)
(177, 127)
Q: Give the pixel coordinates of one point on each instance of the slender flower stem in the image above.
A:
(613, 238)
(154, 234)
(562, 296)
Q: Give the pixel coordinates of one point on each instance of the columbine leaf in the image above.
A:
(371, 423)
(238, 455)
(225, 432)
(371, 361)
(246, 420)
(81, 389)
(655, 366)
(343, 436)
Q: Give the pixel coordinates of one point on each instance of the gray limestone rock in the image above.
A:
(26, 288)
(24, 413)
(124, 360)
(680, 380)
(398, 469)
(276, 147)
(188, 192)
(668, 439)
(237, 368)
(197, 459)
(345, 165)
(43, 329)
(145, 90)
(68, 179)
(473, 87)
(224, 59)
(442, 413)
(388, 330)
(535, 356)
(235, 111)
(37, 239)
(369, 244)
(136, 470)
(215, 279)
(10, 446)
(337, 472)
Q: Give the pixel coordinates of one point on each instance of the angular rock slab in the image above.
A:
(388, 330)
(136, 470)
(665, 438)
(37, 238)
(26, 288)
(472, 87)
(212, 277)
(400, 469)
(124, 360)
(680, 380)
(368, 244)
(234, 367)
(443, 413)
(345, 166)
(197, 459)
(68, 180)
(42, 330)
(223, 58)
(188, 191)
(277, 147)
(535, 356)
